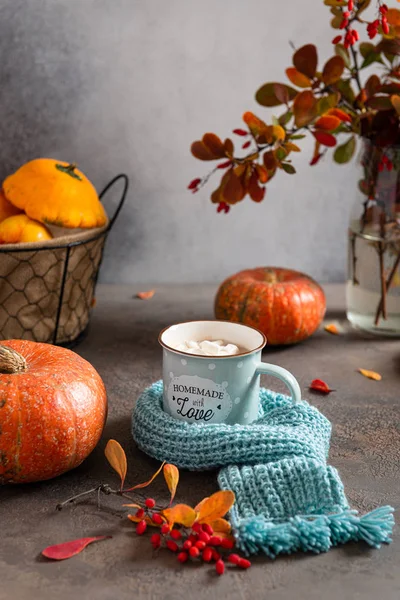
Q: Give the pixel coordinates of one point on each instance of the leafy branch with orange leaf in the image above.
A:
(329, 103)
(199, 533)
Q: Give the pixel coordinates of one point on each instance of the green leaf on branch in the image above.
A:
(341, 51)
(362, 5)
(344, 153)
(285, 118)
(266, 94)
(371, 58)
(327, 102)
(305, 59)
(297, 136)
(288, 168)
(366, 48)
(344, 87)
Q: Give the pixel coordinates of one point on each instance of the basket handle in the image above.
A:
(122, 199)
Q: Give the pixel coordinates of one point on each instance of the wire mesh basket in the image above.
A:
(47, 291)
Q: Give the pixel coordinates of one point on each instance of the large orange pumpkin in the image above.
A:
(287, 306)
(53, 407)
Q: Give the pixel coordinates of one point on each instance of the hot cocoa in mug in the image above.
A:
(211, 372)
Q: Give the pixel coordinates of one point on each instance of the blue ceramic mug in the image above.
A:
(216, 389)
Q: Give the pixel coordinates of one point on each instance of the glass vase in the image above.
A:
(373, 283)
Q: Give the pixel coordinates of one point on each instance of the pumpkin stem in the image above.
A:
(11, 361)
(69, 170)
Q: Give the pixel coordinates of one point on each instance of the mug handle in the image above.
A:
(288, 379)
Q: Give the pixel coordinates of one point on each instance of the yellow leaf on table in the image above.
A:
(215, 507)
(171, 476)
(117, 458)
(138, 486)
(370, 374)
(182, 514)
(136, 519)
(221, 526)
(332, 328)
(145, 295)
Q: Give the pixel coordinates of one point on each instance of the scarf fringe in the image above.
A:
(314, 533)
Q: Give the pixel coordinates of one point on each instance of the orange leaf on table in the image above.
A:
(182, 514)
(298, 78)
(324, 138)
(117, 458)
(333, 70)
(68, 549)
(327, 122)
(139, 486)
(145, 295)
(146, 518)
(332, 328)
(305, 59)
(215, 506)
(221, 526)
(370, 374)
(171, 476)
(317, 385)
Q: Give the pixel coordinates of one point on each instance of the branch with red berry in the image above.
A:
(329, 103)
(199, 534)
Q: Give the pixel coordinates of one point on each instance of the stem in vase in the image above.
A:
(388, 284)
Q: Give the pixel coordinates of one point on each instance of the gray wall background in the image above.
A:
(127, 85)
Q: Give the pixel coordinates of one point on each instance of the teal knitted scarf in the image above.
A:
(287, 498)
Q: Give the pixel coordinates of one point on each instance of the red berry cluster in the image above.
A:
(372, 28)
(199, 542)
(385, 163)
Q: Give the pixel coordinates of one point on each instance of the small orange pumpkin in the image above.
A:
(6, 208)
(53, 407)
(21, 229)
(287, 306)
(56, 193)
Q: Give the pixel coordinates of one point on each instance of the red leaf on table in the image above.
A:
(320, 386)
(68, 549)
(145, 295)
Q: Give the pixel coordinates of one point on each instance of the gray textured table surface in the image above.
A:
(122, 345)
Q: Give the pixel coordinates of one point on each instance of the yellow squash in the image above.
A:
(56, 193)
(6, 208)
(20, 229)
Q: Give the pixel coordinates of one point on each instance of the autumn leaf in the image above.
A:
(256, 192)
(171, 476)
(266, 94)
(117, 458)
(326, 139)
(146, 483)
(221, 526)
(333, 70)
(210, 147)
(395, 100)
(182, 514)
(145, 295)
(332, 328)
(256, 125)
(340, 114)
(68, 549)
(215, 507)
(317, 385)
(146, 518)
(327, 122)
(370, 374)
(298, 78)
(304, 108)
(305, 60)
